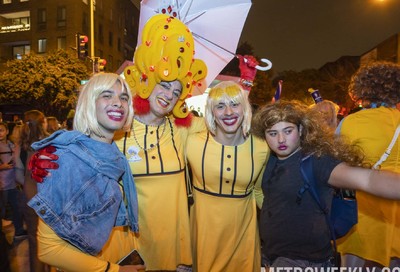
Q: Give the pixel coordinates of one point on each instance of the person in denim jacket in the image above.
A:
(93, 190)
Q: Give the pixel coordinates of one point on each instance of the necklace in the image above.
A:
(151, 145)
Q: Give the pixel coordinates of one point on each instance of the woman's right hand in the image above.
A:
(132, 268)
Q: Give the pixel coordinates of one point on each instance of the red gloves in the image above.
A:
(41, 161)
(248, 71)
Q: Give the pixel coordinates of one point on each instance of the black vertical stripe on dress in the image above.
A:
(235, 169)
(202, 161)
(221, 169)
(159, 148)
(145, 147)
(252, 162)
(174, 144)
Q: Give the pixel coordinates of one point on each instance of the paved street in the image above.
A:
(19, 253)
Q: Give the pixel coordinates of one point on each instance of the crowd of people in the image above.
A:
(17, 186)
(119, 180)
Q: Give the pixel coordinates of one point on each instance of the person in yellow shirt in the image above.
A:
(375, 240)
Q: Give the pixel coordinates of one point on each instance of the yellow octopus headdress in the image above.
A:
(165, 54)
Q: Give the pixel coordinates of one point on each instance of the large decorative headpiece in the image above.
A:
(166, 54)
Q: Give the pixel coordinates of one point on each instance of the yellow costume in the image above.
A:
(376, 237)
(156, 157)
(59, 253)
(159, 174)
(224, 217)
(156, 153)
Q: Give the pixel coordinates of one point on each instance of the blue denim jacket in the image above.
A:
(82, 200)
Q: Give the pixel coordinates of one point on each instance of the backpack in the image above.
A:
(343, 212)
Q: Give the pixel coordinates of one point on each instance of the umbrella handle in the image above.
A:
(264, 68)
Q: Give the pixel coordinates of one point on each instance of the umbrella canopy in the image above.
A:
(216, 26)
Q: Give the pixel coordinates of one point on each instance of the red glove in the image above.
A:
(41, 161)
(247, 66)
(248, 71)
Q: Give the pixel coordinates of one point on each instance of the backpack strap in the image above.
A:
(306, 169)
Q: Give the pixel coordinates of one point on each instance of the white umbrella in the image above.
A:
(216, 26)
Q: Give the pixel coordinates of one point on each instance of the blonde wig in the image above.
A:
(85, 119)
(165, 54)
(227, 92)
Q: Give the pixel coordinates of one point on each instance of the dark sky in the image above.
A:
(300, 34)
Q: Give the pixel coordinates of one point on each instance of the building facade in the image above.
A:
(42, 26)
(388, 50)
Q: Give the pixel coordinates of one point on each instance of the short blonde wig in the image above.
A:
(227, 92)
(85, 119)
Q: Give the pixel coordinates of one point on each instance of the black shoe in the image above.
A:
(21, 236)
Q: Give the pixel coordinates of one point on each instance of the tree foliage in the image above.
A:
(332, 81)
(46, 83)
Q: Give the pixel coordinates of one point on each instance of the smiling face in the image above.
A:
(164, 97)
(228, 117)
(284, 139)
(111, 111)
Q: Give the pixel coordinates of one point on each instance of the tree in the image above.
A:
(331, 80)
(46, 83)
(296, 84)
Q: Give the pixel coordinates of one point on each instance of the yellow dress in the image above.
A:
(224, 217)
(156, 157)
(376, 237)
(59, 253)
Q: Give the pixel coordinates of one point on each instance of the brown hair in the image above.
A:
(316, 137)
(376, 83)
(33, 129)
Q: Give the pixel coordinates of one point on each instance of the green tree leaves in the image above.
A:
(48, 83)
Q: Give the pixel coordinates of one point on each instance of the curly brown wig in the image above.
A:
(316, 137)
(376, 83)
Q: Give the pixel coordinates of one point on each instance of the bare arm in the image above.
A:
(377, 182)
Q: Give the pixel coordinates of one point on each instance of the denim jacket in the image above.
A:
(82, 200)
